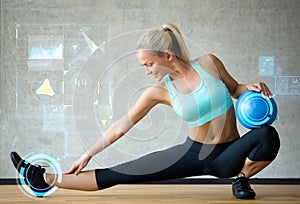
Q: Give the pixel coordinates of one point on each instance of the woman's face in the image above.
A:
(154, 65)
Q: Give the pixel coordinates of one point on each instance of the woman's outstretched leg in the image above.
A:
(40, 182)
(85, 181)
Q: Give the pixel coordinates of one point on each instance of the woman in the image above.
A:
(200, 93)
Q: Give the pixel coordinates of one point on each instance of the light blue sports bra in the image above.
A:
(210, 100)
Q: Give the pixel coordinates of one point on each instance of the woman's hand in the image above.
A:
(260, 87)
(79, 164)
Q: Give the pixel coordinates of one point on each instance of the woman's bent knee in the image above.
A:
(268, 144)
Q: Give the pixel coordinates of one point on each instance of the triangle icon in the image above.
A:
(104, 122)
(45, 89)
(75, 46)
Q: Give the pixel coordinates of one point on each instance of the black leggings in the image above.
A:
(193, 159)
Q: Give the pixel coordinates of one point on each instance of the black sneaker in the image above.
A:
(241, 189)
(33, 175)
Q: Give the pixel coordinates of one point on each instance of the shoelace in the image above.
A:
(243, 183)
(40, 168)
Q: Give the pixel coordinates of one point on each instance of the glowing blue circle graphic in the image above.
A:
(37, 158)
(254, 110)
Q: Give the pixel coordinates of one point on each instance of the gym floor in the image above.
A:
(151, 193)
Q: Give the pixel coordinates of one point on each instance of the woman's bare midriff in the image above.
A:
(220, 130)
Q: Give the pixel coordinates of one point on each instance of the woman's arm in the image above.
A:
(145, 103)
(233, 86)
(149, 98)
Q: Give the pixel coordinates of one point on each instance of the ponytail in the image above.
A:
(168, 37)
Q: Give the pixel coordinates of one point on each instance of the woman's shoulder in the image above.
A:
(158, 92)
(211, 64)
(207, 59)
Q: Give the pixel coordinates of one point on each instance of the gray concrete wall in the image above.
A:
(68, 70)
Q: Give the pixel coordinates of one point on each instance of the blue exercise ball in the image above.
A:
(254, 110)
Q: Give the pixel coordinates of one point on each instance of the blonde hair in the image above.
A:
(168, 37)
